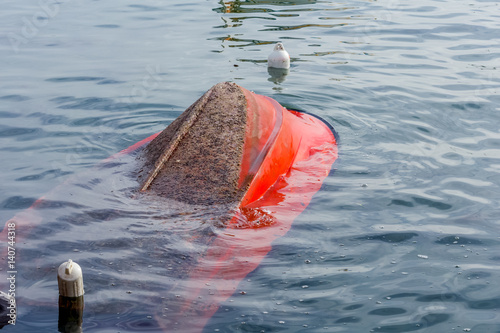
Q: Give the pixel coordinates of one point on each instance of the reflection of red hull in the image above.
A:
(286, 156)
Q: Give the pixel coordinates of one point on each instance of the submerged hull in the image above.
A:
(263, 175)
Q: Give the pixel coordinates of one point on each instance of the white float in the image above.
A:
(70, 279)
(279, 58)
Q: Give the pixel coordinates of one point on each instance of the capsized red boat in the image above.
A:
(240, 151)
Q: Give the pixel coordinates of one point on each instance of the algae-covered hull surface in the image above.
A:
(197, 159)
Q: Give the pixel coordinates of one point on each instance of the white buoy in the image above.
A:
(279, 58)
(70, 279)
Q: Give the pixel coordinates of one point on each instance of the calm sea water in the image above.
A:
(404, 235)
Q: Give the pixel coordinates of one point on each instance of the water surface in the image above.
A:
(403, 236)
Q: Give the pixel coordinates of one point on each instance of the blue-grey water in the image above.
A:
(403, 236)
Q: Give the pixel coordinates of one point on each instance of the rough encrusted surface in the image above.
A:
(205, 145)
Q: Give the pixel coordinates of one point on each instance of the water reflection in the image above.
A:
(278, 75)
(247, 6)
(245, 41)
(300, 26)
(269, 10)
(70, 314)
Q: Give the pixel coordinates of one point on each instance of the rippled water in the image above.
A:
(404, 235)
